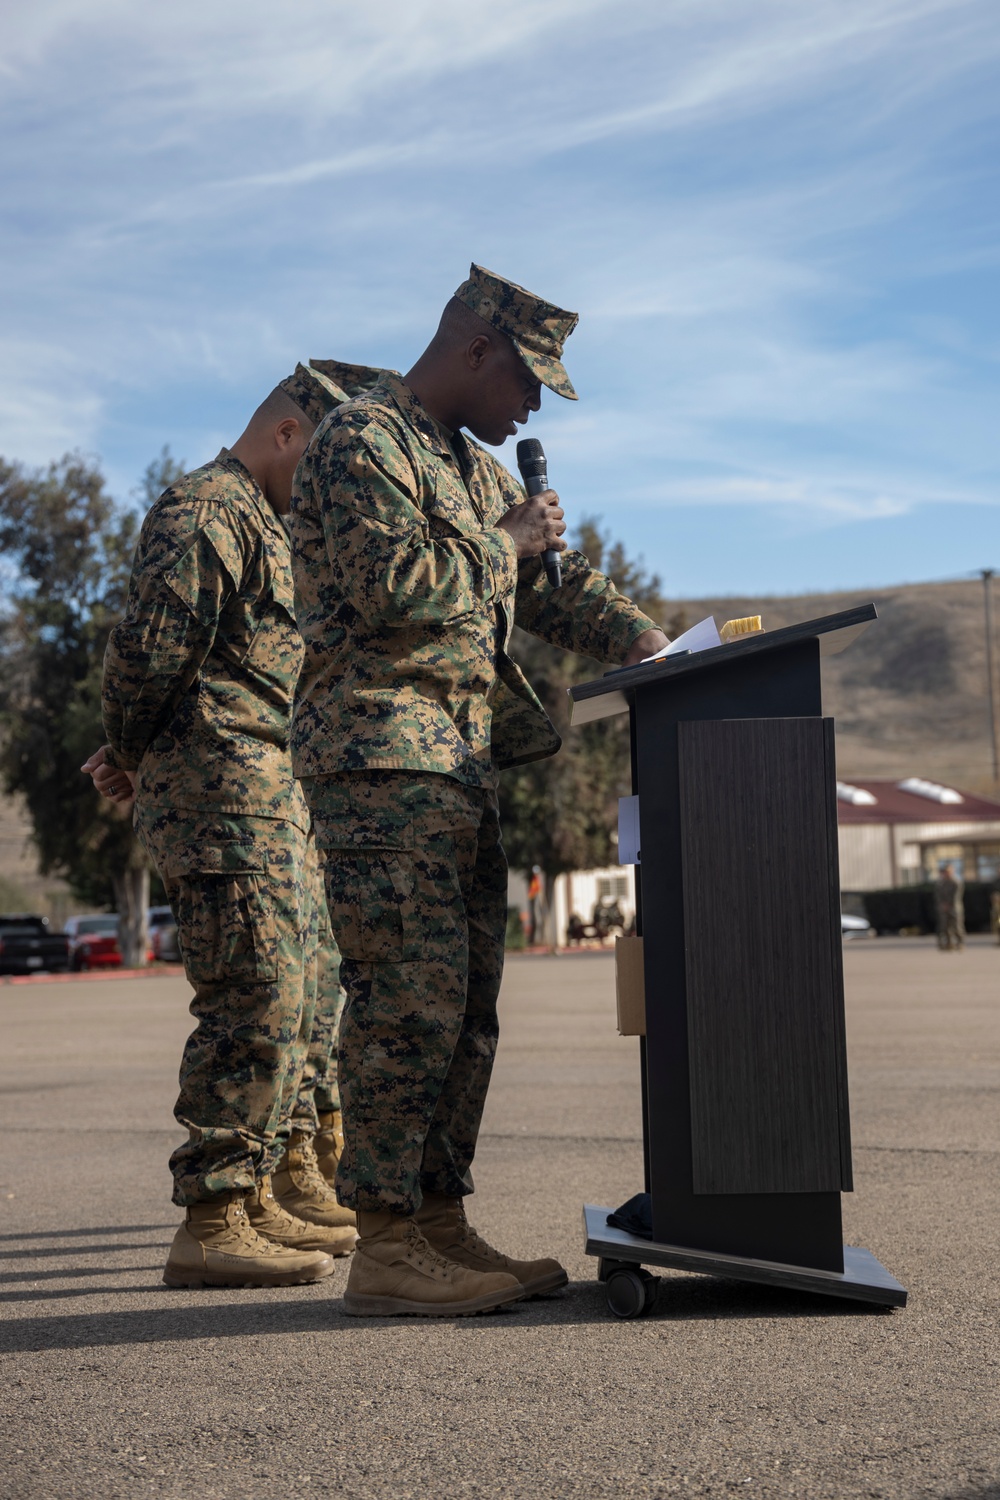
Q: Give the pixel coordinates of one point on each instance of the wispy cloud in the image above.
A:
(766, 212)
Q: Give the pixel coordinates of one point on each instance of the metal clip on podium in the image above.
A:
(744, 1062)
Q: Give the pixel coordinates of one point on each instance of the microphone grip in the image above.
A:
(535, 484)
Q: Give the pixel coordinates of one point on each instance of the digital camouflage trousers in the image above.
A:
(246, 894)
(319, 1090)
(416, 884)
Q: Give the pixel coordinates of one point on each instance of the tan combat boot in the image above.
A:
(329, 1143)
(217, 1246)
(276, 1224)
(395, 1271)
(300, 1186)
(443, 1223)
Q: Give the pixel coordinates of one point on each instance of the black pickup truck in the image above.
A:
(27, 946)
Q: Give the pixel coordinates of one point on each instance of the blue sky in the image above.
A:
(778, 220)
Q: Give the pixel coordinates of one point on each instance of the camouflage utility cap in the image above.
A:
(352, 379)
(537, 329)
(314, 392)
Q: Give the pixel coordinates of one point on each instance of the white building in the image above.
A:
(577, 894)
(891, 833)
(900, 833)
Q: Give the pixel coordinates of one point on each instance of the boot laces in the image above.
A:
(421, 1251)
(278, 1219)
(309, 1171)
(472, 1241)
(241, 1231)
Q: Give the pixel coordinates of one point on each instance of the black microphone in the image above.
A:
(535, 473)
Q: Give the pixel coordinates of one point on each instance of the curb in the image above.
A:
(539, 951)
(154, 971)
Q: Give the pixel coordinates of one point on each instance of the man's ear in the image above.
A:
(477, 351)
(287, 432)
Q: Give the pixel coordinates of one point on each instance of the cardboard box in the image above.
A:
(630, 987)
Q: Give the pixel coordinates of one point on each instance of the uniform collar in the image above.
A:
(253, 490)
(431, 433)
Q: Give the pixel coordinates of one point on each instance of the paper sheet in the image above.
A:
(699, 638)
(628, 830)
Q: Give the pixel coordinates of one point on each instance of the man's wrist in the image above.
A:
(648, 642)
(119, 761)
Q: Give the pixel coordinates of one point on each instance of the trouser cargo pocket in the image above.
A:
(369, 875)
(225, 915)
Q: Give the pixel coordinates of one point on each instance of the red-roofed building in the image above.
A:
(901, 832)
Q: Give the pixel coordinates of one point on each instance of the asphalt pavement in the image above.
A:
(114, 1386)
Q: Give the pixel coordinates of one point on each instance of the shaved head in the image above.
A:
(279, 407)
(459, 325)
(275, 439)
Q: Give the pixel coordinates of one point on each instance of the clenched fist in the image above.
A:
(537, 525)
(117, 786)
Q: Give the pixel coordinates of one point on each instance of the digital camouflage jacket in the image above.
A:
(200, 675)
(406, 591)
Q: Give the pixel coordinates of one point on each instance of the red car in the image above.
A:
(93, 942)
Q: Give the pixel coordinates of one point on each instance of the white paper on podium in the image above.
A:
(699, 638)
(628, 831)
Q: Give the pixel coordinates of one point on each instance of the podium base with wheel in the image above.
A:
(631, 1290)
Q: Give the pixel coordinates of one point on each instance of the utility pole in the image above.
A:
(987, 574)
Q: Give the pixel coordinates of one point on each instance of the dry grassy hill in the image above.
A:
(22, 888)
(909, 697)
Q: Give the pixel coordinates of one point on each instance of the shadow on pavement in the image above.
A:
(36, 1252)
(72, 1273)
(682, 1298)
(70, 1234)
(62, 1293)
(582, 1303)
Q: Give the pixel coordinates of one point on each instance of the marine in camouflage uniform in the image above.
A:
(407, 589)
(317, 1105)
(316, 1110)
(198, 688)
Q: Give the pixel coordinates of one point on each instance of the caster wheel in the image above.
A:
(630, 1292)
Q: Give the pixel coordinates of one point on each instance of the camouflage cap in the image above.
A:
(537, 329)
(314, 392)
(354, 379)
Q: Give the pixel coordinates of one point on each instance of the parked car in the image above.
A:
(93, 942)
(163, 935)
(854, 927)
(27, 946)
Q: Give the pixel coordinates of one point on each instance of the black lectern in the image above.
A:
(744, 1068)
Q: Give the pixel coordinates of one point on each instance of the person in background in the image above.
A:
(949, 909)
(995, 908)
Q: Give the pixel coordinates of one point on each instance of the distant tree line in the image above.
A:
(66, 548)
(561, 814)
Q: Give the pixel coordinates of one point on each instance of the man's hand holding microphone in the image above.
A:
(537, 526)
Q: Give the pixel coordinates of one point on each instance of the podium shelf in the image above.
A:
(863, 1279)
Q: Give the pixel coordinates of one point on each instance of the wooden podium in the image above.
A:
(744, 1064)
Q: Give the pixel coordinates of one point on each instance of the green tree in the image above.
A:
(66, 549)
(561, 813)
